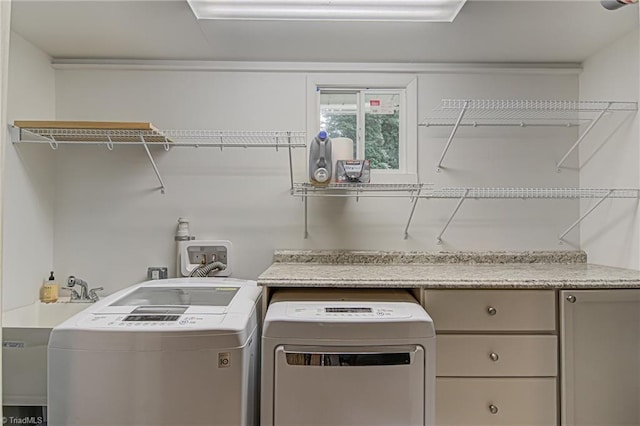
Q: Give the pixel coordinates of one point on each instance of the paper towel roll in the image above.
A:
(341, 149)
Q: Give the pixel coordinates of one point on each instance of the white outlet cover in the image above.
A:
(186, 268)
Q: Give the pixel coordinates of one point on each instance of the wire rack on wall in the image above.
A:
(533, 193)
(186, 138)
(167, 139)
(412, 191)
(458, 113)
(463, 194)
(405, 190)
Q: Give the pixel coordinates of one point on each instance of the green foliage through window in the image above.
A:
(339, 117)
(381, 140)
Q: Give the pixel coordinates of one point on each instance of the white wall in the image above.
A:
(5, 35)
(29, 190)
(498, 157)
(610, 158)
(111, 223)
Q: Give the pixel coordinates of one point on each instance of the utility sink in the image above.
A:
(41, 315)
(25, 335)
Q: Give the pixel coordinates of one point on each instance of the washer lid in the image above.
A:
(167, 299)
(179, 296)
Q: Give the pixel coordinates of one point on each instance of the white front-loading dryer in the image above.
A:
(347, 358)
(167, 352)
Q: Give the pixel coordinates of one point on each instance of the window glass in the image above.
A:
(382, 130)
(339, 116)
(371, 118)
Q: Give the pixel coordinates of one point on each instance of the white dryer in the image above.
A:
(169, 352)
(343, 357)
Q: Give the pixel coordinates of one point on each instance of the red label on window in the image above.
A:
(374, 102)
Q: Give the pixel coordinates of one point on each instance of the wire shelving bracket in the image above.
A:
(463, 194)
(168, 139)
(456, 113)
(412, 191)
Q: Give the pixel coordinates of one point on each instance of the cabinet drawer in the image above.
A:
(492, 310)
(481, 355)
(470, 402)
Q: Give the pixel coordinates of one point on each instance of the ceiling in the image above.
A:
(484, 31)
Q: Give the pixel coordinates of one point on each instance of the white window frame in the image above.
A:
(408, 138)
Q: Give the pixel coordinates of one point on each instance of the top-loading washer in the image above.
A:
(347, 357)
(167, 352)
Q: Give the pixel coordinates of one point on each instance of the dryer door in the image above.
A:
(349, 385)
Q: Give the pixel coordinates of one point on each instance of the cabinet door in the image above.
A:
(492, 310)
(462, 355)
(600, 347)
(496, 401)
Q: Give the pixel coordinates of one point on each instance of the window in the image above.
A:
(373, 119)
(377, 111)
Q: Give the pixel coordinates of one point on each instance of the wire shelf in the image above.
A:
(494, 193)
(190, 138)
(487, 112)
(457, 113)
(537, 105)
(165, 138)
(359, 190)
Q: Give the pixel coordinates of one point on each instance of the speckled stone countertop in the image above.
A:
(405, 257)
(531, 270)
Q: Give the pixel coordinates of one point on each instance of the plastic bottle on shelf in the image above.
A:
(49, 290)
(320, 163)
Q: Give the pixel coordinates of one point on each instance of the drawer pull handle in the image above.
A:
(494, 356)
(493, 409)
(491, 310)
(571, 298)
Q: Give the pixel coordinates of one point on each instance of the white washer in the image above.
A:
(169, 352)
(360, 357)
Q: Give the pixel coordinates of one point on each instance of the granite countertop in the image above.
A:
(488, 270)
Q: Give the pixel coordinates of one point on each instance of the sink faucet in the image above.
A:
(93, 295)
(85, 294)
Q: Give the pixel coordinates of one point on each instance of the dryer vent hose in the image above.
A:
(204, 270)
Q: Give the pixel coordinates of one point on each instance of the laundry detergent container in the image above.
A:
(347, 357)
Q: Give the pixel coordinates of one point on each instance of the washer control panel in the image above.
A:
(136, 321)
(344, 311)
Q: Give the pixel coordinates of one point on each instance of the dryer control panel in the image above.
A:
(343, 311)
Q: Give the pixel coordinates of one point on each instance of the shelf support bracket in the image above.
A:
(16, 133)
(587, 213)
(290, 160)
(456, 126)
(583, 135)
(109, 141)
(306, 224)
(416, 197)
(16, 136)
(455, 211)
(153, 163)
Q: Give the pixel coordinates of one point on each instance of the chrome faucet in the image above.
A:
(85, 294)
(93, 295)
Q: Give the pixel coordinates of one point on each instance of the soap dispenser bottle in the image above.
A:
(320, 164)
(49, 290)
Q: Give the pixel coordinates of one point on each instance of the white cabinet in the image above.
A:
(600, 347)
(497, 356)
